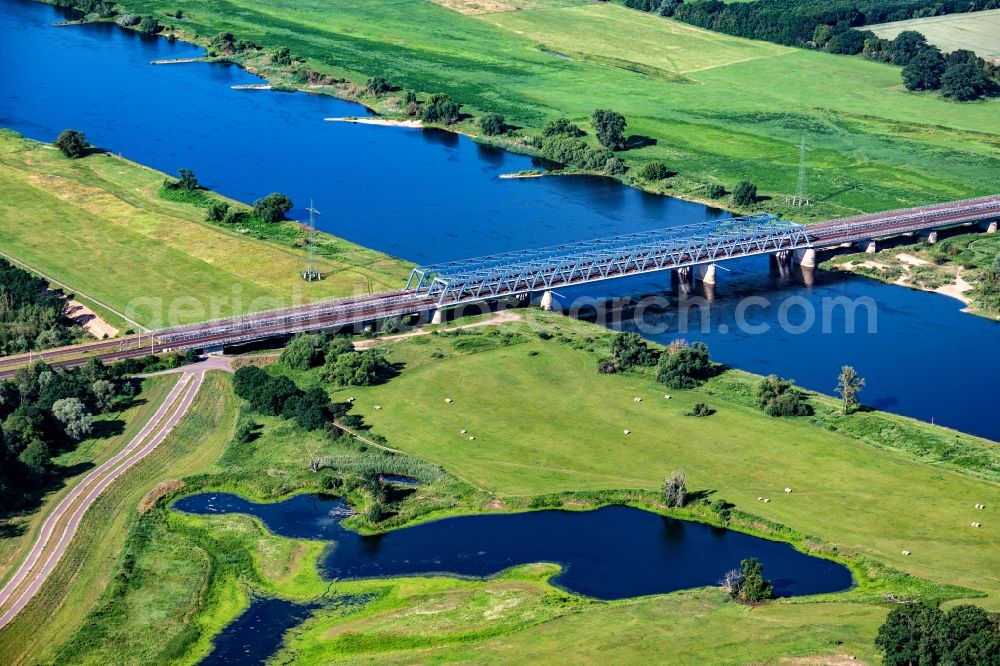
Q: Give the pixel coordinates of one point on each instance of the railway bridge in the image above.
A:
(690, 249)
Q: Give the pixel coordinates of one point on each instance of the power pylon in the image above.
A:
(799, 198)
(310, 273)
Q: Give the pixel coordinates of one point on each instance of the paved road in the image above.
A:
(61, 525)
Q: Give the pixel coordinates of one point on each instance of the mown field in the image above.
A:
(98, 225)
(865, 486)
(717, 109)
(978, 32)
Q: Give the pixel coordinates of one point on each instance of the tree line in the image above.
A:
(835, 26)
(31, 315)
(44, 411)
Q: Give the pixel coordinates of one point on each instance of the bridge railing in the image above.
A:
(589, 261)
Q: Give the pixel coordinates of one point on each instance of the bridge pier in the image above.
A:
(705, 273)
(990, 227)
(681, 279)
(867, 246)
(547, 300)
(805, 256)
(929, 237)
(438, 316)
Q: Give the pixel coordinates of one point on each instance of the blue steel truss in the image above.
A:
(606, 258)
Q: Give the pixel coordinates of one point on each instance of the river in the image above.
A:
(430, 196)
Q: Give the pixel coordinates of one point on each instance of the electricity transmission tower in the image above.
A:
(799, 198)
(310, 273)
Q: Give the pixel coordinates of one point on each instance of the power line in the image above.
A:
(311, 273)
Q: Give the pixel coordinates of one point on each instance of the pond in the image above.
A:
(613, 552)
(430, 196)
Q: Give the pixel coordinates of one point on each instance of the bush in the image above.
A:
(778, 397)
(355, 368)
(149, 26)
(715, 191)
(684, 367)
(304, 351)
(377, 85)
(492, 124)
(272, 208)
(653, 171)
(722, 509)
(745, 193)
(630, 350)
(71, 143)
(217, 211)
(561, 127)
(700, 409)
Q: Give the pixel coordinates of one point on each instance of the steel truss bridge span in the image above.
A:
(570, 264)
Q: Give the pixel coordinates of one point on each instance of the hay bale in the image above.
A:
(472, 438)
(627, 431)
(906, 552)
(448, 400)
(788, 490)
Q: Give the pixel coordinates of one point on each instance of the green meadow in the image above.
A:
(714, 108)
(549, 433)
(99, 226)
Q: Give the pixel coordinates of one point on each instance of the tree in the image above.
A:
(654, 171)
(103, 392)
(35, 457)
(440, 108)
(378, 85)
(906, 46)
(778, 397)
(675, 490)
(745, 193)
(630, 350)
(754, 588)
(271, 397)
(75, 419)
(924, 71)
(304, 351)
(217, 211)
(149, 26)
(684, 367)
(187, 181)
(245, 431)
(282, 56)
(912, 634)
(609, 127)
(847, 42)
(272, 208)
(71, 143)
(964, 81)
(849, 384)
(561, 127)
(492, 124)
(356, 368)
(715, 191)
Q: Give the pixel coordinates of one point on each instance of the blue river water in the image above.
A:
(614, 552)
(431, 196)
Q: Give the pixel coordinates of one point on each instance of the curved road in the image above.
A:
(61, 525)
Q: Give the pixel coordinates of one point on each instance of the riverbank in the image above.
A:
(955, 267)
(684, 126)
(548, 434)
(110, 234)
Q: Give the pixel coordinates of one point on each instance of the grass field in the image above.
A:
(718, 108)
(88, 566)
(545, 422)
(99, 225)
(975, 31)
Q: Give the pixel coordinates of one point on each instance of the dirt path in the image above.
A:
(61, 525)
(502, 317)
(89, 321)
